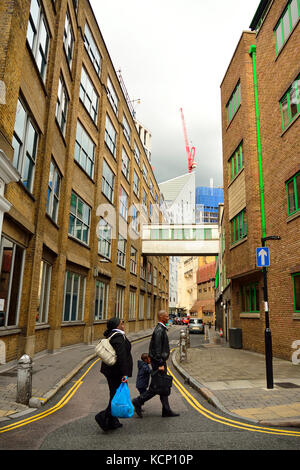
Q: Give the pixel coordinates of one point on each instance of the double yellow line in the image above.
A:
(226, 421)
(66, 398)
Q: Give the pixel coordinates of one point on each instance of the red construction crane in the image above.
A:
(190, 152)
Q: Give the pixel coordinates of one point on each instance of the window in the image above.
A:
(141, 306)
(53, 191)
(286, 23)
(84, 150)
(151, 186)
(133, 260)
(145, 172)
(112, 96)
(142, 268)
(92, 49)
(155, 277)
(136, 184)
(233, 103)
(38, 36)
(12, 265)
(236, 163)
(120, 302)
(62, 105)
(144, 200)
(25, 142)
(43, 292)
(296, 289)
(79, 220)
(148, 307)
(238, 227)
(88, 95)
(108, 179)
(110, 136)
(137, 154)
(290, 104)
(104, 239)
(121, 253)
(68, 39)
(126, 129)
(125, 164)
(207, 234)
(134, 219)
(149, 272)
(293, 194)
(250, 298)
(123, 203)
(101, 301)
(74, 297)
(132, 302)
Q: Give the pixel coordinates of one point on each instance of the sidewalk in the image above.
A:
(51, 371)
(234, 380)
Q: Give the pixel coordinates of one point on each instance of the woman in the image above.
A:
(118, 372)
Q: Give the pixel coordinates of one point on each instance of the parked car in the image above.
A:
(185, 321)
(196, 325)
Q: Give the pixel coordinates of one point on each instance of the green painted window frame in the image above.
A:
(238, 230)
(280, 24)
(286, 103)
(236, 162)
(294, 276)
(233, 103)
(293, 182)
(250, 298)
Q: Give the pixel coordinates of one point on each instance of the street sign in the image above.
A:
(262, 257)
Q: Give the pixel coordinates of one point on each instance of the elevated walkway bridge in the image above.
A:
(180, 240)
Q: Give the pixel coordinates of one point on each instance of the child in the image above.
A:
(143, 376)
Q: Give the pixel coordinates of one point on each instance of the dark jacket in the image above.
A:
(159, 349)
(124, 363)
(143, 376)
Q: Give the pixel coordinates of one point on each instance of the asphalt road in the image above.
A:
(70, 424)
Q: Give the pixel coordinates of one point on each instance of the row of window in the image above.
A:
(250, 296)
(12, 266)
(286, 23)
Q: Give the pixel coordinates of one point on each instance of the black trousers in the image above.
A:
(149, 394)
(113, 384)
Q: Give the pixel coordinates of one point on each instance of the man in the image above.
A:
(159, 352)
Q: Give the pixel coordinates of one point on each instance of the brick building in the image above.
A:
(70, 248)
(263, 200)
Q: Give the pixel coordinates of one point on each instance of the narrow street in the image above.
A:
(67, 422)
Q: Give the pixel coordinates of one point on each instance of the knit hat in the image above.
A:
(111, 324)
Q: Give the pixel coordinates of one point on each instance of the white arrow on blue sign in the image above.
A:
(262, 257)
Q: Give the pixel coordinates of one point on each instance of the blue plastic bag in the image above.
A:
(121, 406)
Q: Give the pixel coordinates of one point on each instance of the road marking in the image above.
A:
(182, 390)
(226, 421)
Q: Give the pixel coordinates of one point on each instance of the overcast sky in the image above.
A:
(173, 54)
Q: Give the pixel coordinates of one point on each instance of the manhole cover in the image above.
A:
(287, 385)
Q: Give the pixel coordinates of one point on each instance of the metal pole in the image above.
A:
(182, 346)
(24, 380)
(188, 341)
(268, 335)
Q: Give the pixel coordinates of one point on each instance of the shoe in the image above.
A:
(169, 414)
(101, 422)
(137, 407)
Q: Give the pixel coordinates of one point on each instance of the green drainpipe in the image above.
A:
(252, 52)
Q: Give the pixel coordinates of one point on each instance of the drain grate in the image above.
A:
(287, 385)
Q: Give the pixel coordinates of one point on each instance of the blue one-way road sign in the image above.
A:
(262, 257)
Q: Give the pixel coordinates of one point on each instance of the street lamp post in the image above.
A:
(268, 335)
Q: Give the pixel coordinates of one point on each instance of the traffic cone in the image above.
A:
(221, 333)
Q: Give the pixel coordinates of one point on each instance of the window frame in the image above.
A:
(280, 24)
(106, 241)
(44, 292)
(90, 103)
(233, 103)
(101, 294)
(79, 315)
(112, 96)
(69, 39)
(236, 163)
(295, 275)
(106, 183)
(51, 195)
(89, 158)
(287, 98)
(120, 297)
(110, 136)
(253, 301)
(92, 48)
(296, 195)
(22, 142)
(62, 105)
(77, 218)
(121, 251)
(237, 230)
(36, 39)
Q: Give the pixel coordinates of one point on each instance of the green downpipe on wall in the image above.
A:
(252, 52)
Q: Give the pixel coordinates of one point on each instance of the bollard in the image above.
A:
(182, 346)
(188, 341)
(24, 380)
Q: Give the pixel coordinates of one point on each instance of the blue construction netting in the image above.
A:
(209, 197)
